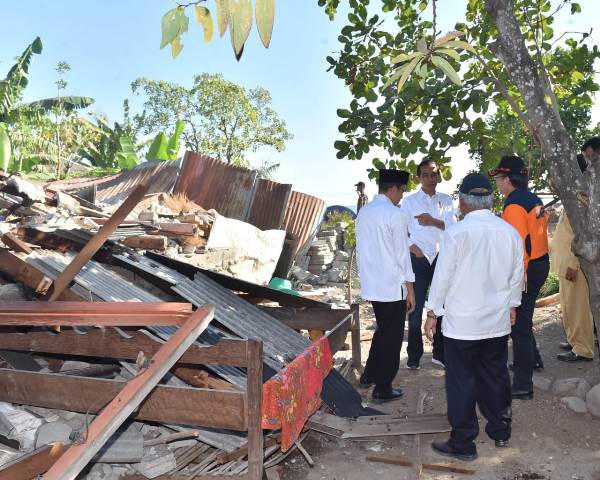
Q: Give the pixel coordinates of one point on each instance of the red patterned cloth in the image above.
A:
(294, 394)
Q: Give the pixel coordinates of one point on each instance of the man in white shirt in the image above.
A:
(429, 213)
(477, 286)
(386, 280)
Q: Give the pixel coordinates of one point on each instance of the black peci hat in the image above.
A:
(509, 165)
(476, 184)
(394, 176)
(359, 184)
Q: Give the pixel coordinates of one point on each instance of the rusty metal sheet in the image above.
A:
(269, 205)
(302, 217)
(214, 184)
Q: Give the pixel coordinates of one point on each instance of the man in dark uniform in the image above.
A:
(525, 212)
(362, 196)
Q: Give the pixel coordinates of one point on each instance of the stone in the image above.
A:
(592, 400)
(157, 461)
(542, 383)
(12, 292)
(300, 274)
(101, 472)
(578, 387)
(148, 216)
(575, 403)
(341, 255)
(53, 432)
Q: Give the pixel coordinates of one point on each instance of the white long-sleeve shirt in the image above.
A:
(478, 277)
(382, 251)
(440, 207)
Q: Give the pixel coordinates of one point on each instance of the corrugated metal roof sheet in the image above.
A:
(302, 217)
(214, 184)
(269, 204)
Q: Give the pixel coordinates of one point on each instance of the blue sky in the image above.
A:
(109, 43)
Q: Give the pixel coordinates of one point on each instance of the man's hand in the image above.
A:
(513, 316)
(416, 251)
(571, 274)
(430, 325)
(427, 220)
(410, 298)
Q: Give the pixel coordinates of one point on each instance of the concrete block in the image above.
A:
(53, 432)
(157, 461)
(592, 400)
(575, 403)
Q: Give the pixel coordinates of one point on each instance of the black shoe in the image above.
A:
(413, 366)
(522, 394)
(443, 448)
(572, 357)
(393, 394)
(565, 346)
(538, 365)
(365, 382)
(501, 443)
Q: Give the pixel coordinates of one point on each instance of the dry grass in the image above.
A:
(179, 203)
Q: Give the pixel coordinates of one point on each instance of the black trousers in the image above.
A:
(477, 373)
(423, 271)
(384, 355)
(524, 345)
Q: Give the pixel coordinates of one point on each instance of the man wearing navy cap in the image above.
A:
(525, 212)
(476, 287)
(386, 278)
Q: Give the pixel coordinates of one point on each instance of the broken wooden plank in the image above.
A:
(33, 464)
(68, 274)
(146, 242)
(329, 424)
(405, 462)
(15, 268)
(226, 457)
(70, 464)
(337, 335)
(221, 409)
(124, 345)
(15, 243)
(414, 425)
(94, 313)
(254, 395)
(176, 229)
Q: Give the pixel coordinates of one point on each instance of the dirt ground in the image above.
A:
(549, 441)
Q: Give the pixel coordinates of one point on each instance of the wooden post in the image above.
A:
(355, 333)
(254, 392)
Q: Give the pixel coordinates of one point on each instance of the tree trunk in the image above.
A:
(557, 149)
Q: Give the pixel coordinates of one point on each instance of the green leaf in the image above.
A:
(407, 72)
(159, 148)
(403, 57)
(171, 25)
(67, 104)
(461, 44)
(173, 145)
(126, 157)
(265, 17)
(5, 148)
(422, 45)
(576, 76)
(37, 46)
(222, 15)
(176, 47)
(575, 8)
(240, 24)
(445, 66)
(204, 18)
(448, 51)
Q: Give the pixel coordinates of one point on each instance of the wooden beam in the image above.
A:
(307, 318)
(15, 243)
(16, 268)
(74, 460)
(63, 280)
(34, 463)
(124, 345)
(406, 462)
(220, 409)
(337, 335)
(146, 242)
(94, 313)
(254, 391)
(355, 336)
